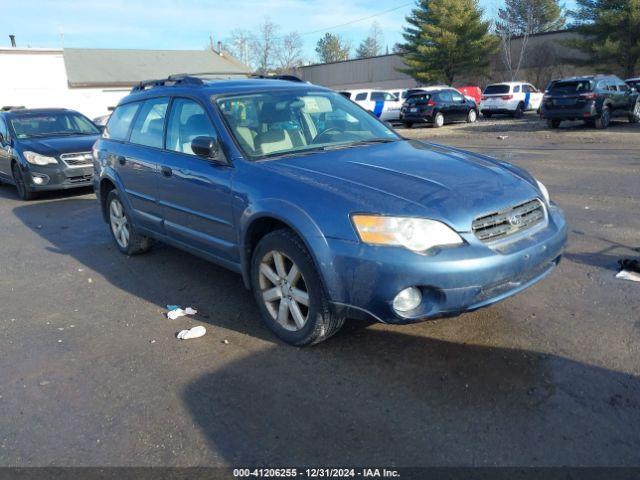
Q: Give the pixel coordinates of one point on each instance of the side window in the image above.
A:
(187, 121)
(120, 121)
(361, 96)
(148, 127)
(623, 87)
(456, 97)
(445, 97)
(4, 131)
(516, 89)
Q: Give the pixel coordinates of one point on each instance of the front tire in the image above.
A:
(472, 116)
(289, 292)
(604, 119)
(487, 114)
(24, 191)
(519, 112)
(122, 230)
(408, 124)
(438, 120)
(634, 117)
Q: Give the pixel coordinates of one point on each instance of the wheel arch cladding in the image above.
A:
(256, 224)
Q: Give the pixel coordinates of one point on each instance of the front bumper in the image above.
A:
(57, 177)
(452, 281)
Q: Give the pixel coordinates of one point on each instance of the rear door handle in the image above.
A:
(166, 171)
(122, 160)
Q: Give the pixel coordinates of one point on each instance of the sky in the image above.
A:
(187, 24)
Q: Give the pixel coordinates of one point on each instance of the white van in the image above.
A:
(512, 98)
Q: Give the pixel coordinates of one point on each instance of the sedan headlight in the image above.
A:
(544, 191)
(37, 159)
(417, 234)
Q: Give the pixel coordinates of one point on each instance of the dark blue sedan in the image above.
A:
(325, 212)
(46, 149)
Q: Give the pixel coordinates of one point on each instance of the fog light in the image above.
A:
(407, 299)
(38, 180)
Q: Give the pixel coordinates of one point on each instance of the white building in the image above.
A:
(92, 81)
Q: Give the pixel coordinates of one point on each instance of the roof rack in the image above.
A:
(198, 79)
(288, 78)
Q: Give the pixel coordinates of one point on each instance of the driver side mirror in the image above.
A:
(206, 147)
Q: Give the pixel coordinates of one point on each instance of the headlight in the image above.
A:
(37, 159)
(544, 191)
(417, 234)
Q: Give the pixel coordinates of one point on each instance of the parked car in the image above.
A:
(382, 104)
(46, 149)
(472, 92)
(324, 211)
(511, 98)
(102, 120)
(594, 99)
(438, 107)
(633, 83)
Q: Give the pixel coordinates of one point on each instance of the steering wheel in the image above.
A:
(324, 132)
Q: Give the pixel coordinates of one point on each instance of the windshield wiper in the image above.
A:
(359, 143)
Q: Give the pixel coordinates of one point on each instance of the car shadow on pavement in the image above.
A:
(383, 397)
(165, 275)
(606, 258)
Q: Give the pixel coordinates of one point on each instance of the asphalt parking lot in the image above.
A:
(92, 373)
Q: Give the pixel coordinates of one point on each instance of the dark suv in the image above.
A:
(325, 211)
(46, 149)
(438, 107)
(594, 99)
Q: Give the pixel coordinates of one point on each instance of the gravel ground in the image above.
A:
(92, 373)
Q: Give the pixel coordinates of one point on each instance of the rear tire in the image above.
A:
(604, 119)
(553, 123)
(408, 124)
(289, 292)
(124, 234)
(24, 192)
(438, 120)
(519, 111)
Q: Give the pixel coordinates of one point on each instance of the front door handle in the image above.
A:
(122, 160)
(166, 171)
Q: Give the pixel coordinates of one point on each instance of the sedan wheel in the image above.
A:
(438, 121)
(24, 192)
(119, 224)
(634, 117)
(284, 291)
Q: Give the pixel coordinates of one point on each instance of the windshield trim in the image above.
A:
(299, 90)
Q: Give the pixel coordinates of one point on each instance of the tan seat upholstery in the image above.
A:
(273, 141)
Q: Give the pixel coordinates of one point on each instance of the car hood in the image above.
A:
(54, 146)
(414, 178)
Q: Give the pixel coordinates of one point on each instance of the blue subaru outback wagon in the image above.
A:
(325, 212)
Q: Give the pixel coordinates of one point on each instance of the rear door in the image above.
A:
(533, 98)
(5, 150)
(194, 192)
(137, 162)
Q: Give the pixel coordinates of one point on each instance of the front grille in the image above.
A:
(80, 159)
(505, 223)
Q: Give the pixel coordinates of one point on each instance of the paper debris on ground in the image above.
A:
(194, 332)
(627, 275)
(179, 312)
(502, 137)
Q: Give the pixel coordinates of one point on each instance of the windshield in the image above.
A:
(52, 124)
(570, 88)
(496, 89)
(278, 123)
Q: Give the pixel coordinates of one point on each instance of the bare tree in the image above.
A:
(289, 52)
(507, 30)
(264, 46)
(239, 44)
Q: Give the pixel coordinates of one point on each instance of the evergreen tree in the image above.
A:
(610, 31)
(446, 38)
(331, 48)
(372, 45)
(526, 17)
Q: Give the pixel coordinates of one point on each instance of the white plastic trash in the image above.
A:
(179, 312)
(194, 332)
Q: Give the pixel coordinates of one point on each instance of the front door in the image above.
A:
(195, 192)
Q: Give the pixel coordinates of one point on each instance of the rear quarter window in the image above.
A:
(120, 121)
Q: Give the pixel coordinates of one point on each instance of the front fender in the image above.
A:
(303, 225)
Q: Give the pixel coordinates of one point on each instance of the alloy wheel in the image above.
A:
(472, 116)
(284, 290)
(636, 110)
(439, 120)
(119, 223)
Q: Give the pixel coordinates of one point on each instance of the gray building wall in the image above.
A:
(545, 59)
